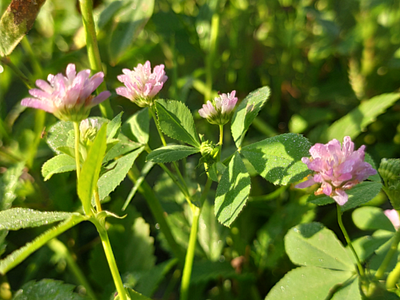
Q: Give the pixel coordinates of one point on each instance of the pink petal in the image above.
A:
(393, 216)
(340, 197)
(39, 104)
(100, 98)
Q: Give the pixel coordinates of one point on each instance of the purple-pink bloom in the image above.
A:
(141, 85)
(220, 110)
(68, 98)
(336, 168)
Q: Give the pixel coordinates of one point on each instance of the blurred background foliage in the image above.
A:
(321, 58)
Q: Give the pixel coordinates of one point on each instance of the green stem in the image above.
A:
(187, 270)
(211, 54)
(346, 236)
(110, 259)
(158, 213)
(77, 139)
(383, 267)
(97, 200)
(393, 278)
(93, 51)
(153, 114)
(59, 248)
(32, 57)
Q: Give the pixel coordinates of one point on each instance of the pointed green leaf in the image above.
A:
(16, 21)
(19, 255)
(358, 195)
(278, 159)
(171, 153)
(246, 112)
(232, 191)
(176, 121)
(371, 218)
(122, 147)
(130, 20)
(359, 118)
(18, 218)
(307, 283)
(48, 289)
(314, 245)
(9, 183)
(118, 170)
(113, 127)
(139, 126)
(58, 164)
(91, 169)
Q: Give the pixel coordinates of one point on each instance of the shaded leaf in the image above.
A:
(57, 135)
(176, 121)
(18, 218)
(139, 126)
(9, 183)
(278, 159)
(314, 245)
(129, 22)
(246, 112)
(171, 153)
(232, 191)
(113, 127)
(58, 164)
(48, 289)
(307, 283)
(359, 118)
(365, 246)
(204, 271)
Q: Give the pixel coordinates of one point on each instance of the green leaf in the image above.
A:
(307, 283)
(113, 127)
(129, 22)
(359, 118)
(358, 195)
(123, 146)
(139, 126)
(58, 164)
(278, 159)
(8, 184)
(314, 245)
(176, 121)
(19, 255)
(205, 270)
(91, 169)
(15, 23)
(171, 153)
(58, 135)
(149, 281)
(371, 218)
(365, 246)
(232, 191)
(118, 170)
(48, 289)
(18, 218)
(246, 112)
(350, 291)
(133, 295)
(211, 233)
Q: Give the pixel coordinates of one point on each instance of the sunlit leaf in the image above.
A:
(246, 112)
(58, 164)
(171, 153)
(278, 159)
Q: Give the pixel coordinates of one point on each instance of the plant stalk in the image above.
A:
(77, 139)
(110, 259)
(93, 51)
(382, 268)
(187, 270)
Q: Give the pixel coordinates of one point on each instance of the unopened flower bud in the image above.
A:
(220, 110)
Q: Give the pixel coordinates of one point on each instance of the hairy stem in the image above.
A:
(77, 139)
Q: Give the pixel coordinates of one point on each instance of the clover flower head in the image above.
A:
(393, 216)
(336, 168)
(88, 129)
(220, 110)
(68, 97)
(142, 85)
